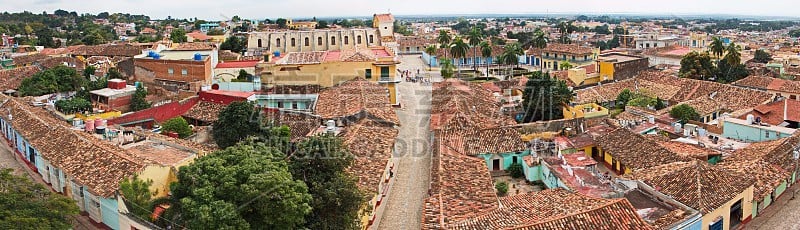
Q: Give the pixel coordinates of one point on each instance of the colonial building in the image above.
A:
(178, 69)
(284, 41)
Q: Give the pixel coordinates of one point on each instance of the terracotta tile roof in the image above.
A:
(27, 59)
(456, 103)
(694, 183)
(205, 148)
(461, 188)
(773, 113)
(204, 111)
(225, 55)
(384, 17)
(300, 124)
(770, 83)
(12, 78)
(372, 145)
(635, 151)
(197, 35)
(493, 140)
(353, 97)
(777, 152)
(767, 176)
(303, 58)
(405, 41)
(609, 92)
(687, 150)
(191, 46)
(556, 209)
(107, 50)
(96, 164)
(52, 62)
(567, 49)
(159, 152)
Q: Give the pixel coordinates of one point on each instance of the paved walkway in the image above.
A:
(783, 214)
(412, 157)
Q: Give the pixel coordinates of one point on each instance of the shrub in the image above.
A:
(178, 125)
(74, 105)
(502, 188)
(516, 170)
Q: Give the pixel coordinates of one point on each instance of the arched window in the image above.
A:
(293, 43)
(278, 42)
(333, 41)
(370, 39)
(259, 42)
(319, 41)
(305, 42)
(346, 40)
(358, 39)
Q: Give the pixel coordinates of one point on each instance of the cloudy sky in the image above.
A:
(259, 9)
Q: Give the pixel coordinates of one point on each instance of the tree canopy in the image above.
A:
(321, 162)
(234, 44)
(177, 125)
(544, 97)
(696, 66)
(762, 56)
(58, 79)
(684, 113)
(137, 195)
(244, 186)
(139, 101)
(236, 122)
(178, 36)
(26, 204)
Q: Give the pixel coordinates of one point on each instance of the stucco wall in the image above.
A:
(747, 205)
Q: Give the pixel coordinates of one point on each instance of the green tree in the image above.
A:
(234, 44)
(74, 105)
(178, 36)
(431, 51)
(623, 98)
(459, 51)
(177, 125)
(57, 79)
(282, 23)
(242, 77)
(446, 68)
(540, 41)
(565, 65)
(486, 53)
(27, 205)
(502, 188)
(235, 123)
(321, 162)
(727, 73)
(113, 73)
(684, 113)
(696, 65)
(475, 38)
(660, 104)
(137, 196)
(444, 41)
(244, 186)
(544, 97)
(516, 170)
(717, 47)
(734, 55)
(762, 56)
(139, 99)
(88, 72)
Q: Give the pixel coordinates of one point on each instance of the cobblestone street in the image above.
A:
(404, 202)
(783, 214)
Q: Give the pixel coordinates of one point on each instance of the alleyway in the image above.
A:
(412, 157)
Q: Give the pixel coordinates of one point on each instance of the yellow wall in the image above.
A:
(328, 74)
(106, 115)
(606, 70)
(597, 111)
(607, 158)
(163, 176)
(747, 206)
(217, 38)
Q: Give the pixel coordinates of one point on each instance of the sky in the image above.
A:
(261, 9)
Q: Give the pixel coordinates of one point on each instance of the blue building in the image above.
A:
(470, 59)
(751, 131)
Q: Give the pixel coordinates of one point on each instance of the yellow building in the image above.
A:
(616, 66)
(589, 110)
(554, 54)
(301, 25)
(329, 68)
(725, 199)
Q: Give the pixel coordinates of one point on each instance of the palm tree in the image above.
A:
(717, 47)
(734, 56)
(446, 68)
(431, 50)
(540, 42)
(511, 55)
(565, 28)
(475, 37)
(444, 41)
(565, 65)
(486, 53)
(459, 50)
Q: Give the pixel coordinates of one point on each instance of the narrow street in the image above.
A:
(783, 214)
(412, 156)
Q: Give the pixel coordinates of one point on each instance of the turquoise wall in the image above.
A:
(108, 207)
(749, 133)
(508, 159)
(550, 179)
(532, 173)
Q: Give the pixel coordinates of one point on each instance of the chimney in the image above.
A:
(785, 108)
